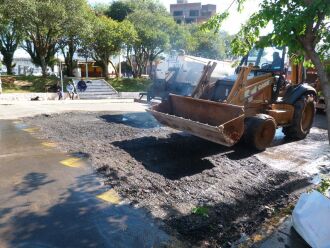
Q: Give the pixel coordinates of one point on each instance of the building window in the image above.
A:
(189, 21)
(206, 14)
(194, 13)
(178, 13)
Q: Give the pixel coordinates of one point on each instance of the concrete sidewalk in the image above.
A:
(19, 109)
(53, 199)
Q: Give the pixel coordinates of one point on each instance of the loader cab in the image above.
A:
(266, 59)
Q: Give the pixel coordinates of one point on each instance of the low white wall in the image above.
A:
(54, 96)
(27, 96)
(130, 95)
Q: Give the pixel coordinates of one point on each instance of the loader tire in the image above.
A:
(259, 131)
(304, 111)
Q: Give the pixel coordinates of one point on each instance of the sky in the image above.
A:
(231, 25)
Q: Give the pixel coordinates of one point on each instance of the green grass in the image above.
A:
(34, 84)
(40, 84)
(201, 211)
(324, 186)
(14, 90)
(130, 84)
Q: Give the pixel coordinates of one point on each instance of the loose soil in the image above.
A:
(171, 173)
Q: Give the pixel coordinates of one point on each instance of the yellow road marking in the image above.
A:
(110, 196)
(30, 130)
(72, 162)
(49, 144)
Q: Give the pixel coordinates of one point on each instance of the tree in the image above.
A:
(154, 31)
(78, 24)
(108, 38)
(182, 38)
(42, 22)
(152, 6)
(119, 10)
(10, 38)
(100, 9)
(302, 25)
(210, 44)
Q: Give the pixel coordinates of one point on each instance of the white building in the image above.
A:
(24, 66)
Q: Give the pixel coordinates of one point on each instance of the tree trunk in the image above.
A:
(105, 69)
(116, 71)
(128, 55)
(69, 60)
(151, 74)
(8, 61)
(322, 75)
(43, 66)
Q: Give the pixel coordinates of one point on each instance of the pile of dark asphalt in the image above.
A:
(206, 194)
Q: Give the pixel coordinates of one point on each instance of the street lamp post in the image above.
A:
(0, 83)
(86, 74)
(119, 73)
(0, 79)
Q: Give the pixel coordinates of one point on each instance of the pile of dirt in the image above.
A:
(209, 194)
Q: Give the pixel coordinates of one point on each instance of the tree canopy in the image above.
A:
(42, 23)
(108, 38)
(76, 27)
(119, 10)
(11, 36)
(144, 28)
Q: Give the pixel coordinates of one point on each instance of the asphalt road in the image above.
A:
(52, 199)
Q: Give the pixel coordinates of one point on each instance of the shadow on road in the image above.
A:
(79, 219)
(179, 155)
(31, 182)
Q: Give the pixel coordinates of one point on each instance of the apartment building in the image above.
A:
(184, 12)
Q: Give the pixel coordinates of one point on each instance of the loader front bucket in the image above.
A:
(218, 122)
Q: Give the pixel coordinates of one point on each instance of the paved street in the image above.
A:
(52, 199)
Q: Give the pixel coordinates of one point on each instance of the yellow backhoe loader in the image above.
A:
(264, 94)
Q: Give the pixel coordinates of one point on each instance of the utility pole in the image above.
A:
(86, 74)
(119, 73)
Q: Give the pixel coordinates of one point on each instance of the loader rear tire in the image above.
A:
(259, 131)
(304, 111)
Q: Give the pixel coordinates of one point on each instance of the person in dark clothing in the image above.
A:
(59, 93)
(82, 86)
(277, 61)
